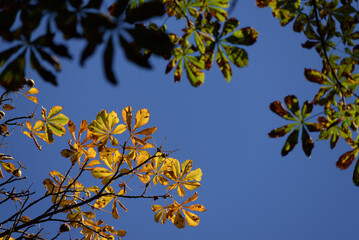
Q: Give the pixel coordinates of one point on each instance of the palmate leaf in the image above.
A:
(183, 176)
(36, 130)
(193, 65)
(227, 43)
(298, 116)
(176, 210)
(54, 122)
(141, 119)
(215, 8)
(103, 128)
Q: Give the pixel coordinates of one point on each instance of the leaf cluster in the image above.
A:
(331, 29)
(208, 34)
(94, 151)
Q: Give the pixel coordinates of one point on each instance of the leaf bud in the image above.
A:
(17, 173)
(64, 228)
(30, 83)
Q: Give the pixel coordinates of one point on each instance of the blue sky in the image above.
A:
(249, 190)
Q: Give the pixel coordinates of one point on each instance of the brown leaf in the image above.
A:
(278, 108)
(346, 159)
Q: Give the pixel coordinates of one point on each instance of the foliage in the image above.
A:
(331, 29)
(101, 151)
(207, 34)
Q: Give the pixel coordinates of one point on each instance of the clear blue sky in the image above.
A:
(249, 190)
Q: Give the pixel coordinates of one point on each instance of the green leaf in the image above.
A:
(356, 174)
(223, 64)
(307, 142)
(236, 55)
(194, 75)
(316, 76)
(347, 158)
(280, 132)
(292, 140)
(291, 102)
(278, 108)
(245, 36)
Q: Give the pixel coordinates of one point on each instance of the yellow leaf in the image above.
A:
(127, 116)
(178, 220)
(25, 219)
(8, 107)
(93, 189)
(191, 185)
(191, 199)
(112, 119)
(91, 153)
(181, 192)
(72, 129)
(141, 118)
(186, 166)
(144, 178)
(119, 129)
(147, 131)
(93, 163)
(164, 181)
(32, 91)
(191, 218)
(121, 233)
(100, 172)
(89, 214)
(114, 211)
(103, 201)
(32, 98)
(176, 168)
(156, 207)
(8, 167)
(194, 175)
(196, 207)
(49, 184)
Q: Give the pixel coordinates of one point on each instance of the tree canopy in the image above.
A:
(37, 34)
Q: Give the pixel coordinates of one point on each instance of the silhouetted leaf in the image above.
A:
(118, 8)
(88, 51)
(94, 4)
(12, 77)
(133, 53)
(156, 41)
(45, 74)
(107, 60)
(5, 55)
(145, 11)
(50, 59)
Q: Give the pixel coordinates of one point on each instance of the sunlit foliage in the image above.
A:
(331, 29)
(118, 153)
(137, 27)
